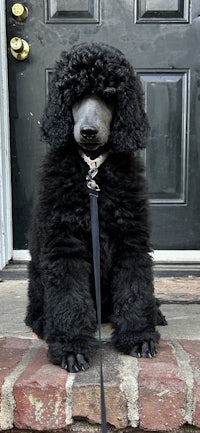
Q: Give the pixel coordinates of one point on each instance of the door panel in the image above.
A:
(167, 11)
(71, 11)
(161, 38)
(166, 163)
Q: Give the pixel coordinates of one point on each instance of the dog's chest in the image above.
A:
(106, 250)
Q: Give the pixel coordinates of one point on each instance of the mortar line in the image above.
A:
(183, 361)
(69, 396)
(129, 373)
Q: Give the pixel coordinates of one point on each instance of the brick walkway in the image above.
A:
(155, 394)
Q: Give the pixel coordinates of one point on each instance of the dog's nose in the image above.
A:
(88, 131)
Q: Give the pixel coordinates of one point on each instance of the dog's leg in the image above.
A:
(34, 316)
(70, 317)
(134, 307)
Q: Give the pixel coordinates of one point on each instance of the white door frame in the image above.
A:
(159, 256)
(6, 234)
(6, 242)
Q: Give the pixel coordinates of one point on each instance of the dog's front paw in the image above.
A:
(74, 363)
(145, 349)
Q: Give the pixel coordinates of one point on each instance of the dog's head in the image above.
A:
(95, 88)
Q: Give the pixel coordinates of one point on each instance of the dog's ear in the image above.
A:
(130, 125)
(57, 122)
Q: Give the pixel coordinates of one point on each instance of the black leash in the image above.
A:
(93, 192)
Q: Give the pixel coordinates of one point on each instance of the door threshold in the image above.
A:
(159, 256)
(167, 263)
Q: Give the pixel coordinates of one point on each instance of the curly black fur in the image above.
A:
(61, 291)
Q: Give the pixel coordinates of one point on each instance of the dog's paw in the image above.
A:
(74, 362)
(146, 349)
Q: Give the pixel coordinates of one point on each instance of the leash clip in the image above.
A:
(91, 184)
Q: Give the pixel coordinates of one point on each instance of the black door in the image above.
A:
(161, 38)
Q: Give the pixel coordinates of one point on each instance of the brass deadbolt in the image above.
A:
(19, 11)
(19, 48)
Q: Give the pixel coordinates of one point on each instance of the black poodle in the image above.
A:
(95, 108)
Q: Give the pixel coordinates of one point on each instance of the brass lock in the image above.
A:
(19, 48)
(19, 11)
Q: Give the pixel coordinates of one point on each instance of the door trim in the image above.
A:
(159, 256)
(176, 256)
(6, 238)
